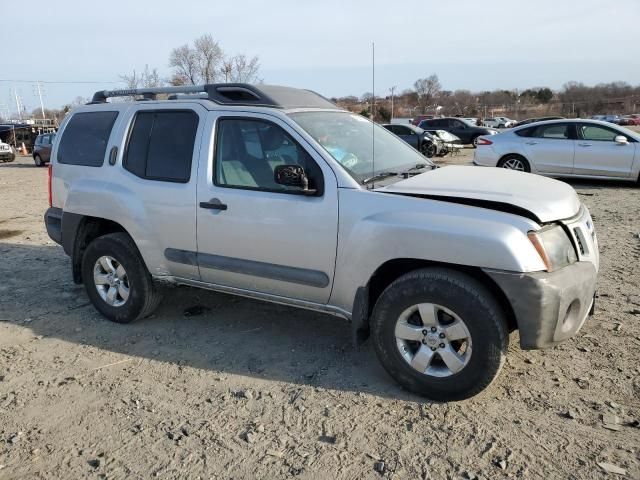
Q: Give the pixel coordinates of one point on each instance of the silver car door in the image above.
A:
(255, 234)
(550, 148)
(597, 152)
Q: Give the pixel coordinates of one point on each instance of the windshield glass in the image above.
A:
(348, 138)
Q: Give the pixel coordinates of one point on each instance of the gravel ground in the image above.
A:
(242, 389)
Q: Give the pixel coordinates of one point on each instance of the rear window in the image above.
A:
(525, 132)
(84, 140)
(160, 145)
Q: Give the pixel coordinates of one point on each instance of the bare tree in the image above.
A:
(209, 56)
(147, 79)
(185, 64)
(241, 69)
(427, 89)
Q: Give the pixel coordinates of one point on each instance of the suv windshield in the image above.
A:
(348, 138)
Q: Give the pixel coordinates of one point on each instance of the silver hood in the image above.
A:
(546, 199)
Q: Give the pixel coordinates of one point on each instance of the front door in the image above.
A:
(408, 135)
(597, 152)
(254, 233)
(550, 148)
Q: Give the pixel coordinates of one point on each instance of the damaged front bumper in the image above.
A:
(549, 307)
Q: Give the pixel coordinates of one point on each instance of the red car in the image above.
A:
(633, 119)
(418, 118)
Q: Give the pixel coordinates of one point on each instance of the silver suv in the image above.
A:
(276, 194)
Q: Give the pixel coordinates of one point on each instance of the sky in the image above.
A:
(321, 45)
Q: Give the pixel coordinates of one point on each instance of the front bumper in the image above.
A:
(549, 307)
(7, 156)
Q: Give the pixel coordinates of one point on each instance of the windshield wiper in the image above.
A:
(412, 171)
(379, 176)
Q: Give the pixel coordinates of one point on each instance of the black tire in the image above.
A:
(38, 161)
(428, 149)
(474, 141)
(143, 296)
(472, 302)
(525, 163)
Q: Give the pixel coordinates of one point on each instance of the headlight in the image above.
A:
(554, 247)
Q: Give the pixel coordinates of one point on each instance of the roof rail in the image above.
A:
(229, 94)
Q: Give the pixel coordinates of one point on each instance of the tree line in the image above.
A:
(427, 96)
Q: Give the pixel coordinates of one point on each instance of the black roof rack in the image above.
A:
(229, 94)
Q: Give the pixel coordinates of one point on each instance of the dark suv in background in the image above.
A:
(460, 128)
(42, 148)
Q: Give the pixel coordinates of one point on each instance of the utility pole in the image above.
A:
(392, 89)
(15, 93)
(40, 96)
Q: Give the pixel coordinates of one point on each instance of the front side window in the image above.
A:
(84, 140)
(160, 145)
(558, 131)
(596, 133)
(249, 150)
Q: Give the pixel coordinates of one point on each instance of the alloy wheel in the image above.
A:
(433, 340)
(111, 281)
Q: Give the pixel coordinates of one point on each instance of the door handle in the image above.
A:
(113, 155)
(584, 144)
(531, 143)
(213, 204)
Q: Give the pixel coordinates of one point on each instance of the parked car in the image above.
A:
(450, 143)
(276, 194)
(42, 149)
(416, 137)
(633, 119)
(607, 118)
(6, 153)
(565, 148)
(499, 122)
(465, 131)
(533, 120)
(418, 118)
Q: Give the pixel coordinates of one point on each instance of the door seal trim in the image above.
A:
(301, 276)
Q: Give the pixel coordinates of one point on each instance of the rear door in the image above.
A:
(597, 152)
(551, 148)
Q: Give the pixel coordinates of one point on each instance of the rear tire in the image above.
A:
(456, 298)
(113, 262)
(515, 162)
(38, 161)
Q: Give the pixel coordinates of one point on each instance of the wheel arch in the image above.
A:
(78, 231)
(391, 270)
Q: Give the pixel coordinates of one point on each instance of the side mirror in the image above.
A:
(621, 140)
(293, 176)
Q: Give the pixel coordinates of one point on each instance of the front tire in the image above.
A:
(474, 142)
(428, 149)
(38, 161)
(440, 333)
(116, 279)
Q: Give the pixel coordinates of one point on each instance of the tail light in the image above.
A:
(49, 175)
(484, 141)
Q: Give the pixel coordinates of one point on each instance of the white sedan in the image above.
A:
(565, 148)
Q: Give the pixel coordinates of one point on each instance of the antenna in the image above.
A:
(373, 113)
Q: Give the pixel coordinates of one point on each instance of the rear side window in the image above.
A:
(160, 145)
(557, 131)
(84, 140)
(525, 132)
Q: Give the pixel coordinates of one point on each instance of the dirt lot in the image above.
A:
(242, 389)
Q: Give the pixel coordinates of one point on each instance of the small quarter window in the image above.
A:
(160, 145)
(84, 140)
